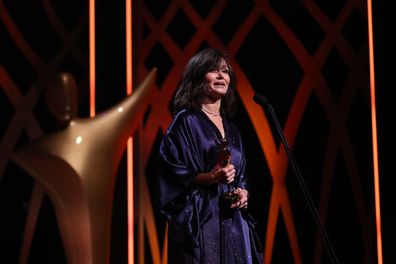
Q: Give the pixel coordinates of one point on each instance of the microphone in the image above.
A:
(261, 100)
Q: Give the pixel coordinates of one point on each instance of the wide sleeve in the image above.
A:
(179, 164)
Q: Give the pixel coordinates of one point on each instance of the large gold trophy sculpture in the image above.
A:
(77, 166)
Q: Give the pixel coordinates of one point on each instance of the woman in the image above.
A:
(202, 185)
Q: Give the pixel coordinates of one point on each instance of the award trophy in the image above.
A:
(228, 197)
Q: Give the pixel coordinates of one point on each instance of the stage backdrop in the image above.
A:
(309, 58)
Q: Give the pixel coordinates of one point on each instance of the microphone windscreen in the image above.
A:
(260, 99)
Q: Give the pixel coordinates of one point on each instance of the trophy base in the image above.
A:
(226, 200)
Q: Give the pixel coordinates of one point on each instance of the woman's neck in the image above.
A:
(213, 107)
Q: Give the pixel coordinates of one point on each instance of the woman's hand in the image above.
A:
(243, 196)
(224, 175)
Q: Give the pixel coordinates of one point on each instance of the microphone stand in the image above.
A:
(261, 100)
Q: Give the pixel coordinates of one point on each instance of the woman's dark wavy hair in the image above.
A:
(193, 86)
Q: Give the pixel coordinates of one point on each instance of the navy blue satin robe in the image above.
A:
(200, 230)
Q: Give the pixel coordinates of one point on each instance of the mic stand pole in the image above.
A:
(303, 186)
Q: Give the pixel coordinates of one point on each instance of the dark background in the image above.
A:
(270, 67)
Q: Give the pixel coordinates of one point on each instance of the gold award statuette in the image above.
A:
(228, 197)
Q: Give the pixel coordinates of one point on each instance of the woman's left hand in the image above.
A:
(243, 196)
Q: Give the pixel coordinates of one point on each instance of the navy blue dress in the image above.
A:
(200, 229)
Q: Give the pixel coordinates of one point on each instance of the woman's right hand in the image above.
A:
(224, 175)
(218, 174)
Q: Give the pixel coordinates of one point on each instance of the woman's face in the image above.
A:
(217, 81)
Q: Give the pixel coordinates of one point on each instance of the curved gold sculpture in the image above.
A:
(77, 167)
